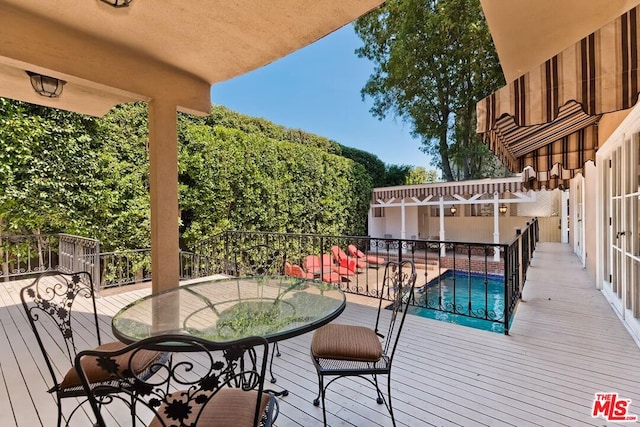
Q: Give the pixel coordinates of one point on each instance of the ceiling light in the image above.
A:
(45, 85)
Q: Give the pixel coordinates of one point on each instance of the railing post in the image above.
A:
(77, 257)
(507, 298)
(321, 253)
(532, 242)
(520, 267)
(4, 254)
(97, 280)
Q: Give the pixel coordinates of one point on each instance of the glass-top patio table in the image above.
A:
(275, 308)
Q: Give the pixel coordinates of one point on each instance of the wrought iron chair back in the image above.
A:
(61, 310)
(356, 351)
(204, 382)
(49, 303)
(398, 286)
(50, 299)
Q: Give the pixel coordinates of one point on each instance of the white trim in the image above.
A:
(615, 149)
(616, 305)
(528, 197)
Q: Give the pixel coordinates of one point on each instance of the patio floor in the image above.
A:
(566, 344)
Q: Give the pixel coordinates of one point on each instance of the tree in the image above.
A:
(373, 165)
(434, 60)
(64, 172)
(419, 175)
(239, 181)
(396, 174)
(50, 169)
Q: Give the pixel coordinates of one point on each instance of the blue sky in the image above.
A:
(317, 89)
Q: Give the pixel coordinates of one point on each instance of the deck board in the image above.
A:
(565, 345)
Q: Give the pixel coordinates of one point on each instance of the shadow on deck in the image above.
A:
(566, 344)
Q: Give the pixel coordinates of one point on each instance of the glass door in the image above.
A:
(632, 229)
(622, 201)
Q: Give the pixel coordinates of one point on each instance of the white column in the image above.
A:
(496, 226)
(403, 228)
(163, 183)
(443, 251)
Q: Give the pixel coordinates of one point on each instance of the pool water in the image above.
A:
(492, 302)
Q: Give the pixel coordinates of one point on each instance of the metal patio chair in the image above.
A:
(341, 351)
(49, 303)
(204, 383)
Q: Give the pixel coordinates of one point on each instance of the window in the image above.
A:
(483, 209)
(435, 211)
(378, 212)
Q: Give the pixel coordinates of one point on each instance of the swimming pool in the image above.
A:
(439, 298)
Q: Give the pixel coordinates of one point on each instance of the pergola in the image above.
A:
(501, 191)
(167, 53)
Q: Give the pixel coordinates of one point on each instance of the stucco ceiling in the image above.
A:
(170, 48)
(528, 32)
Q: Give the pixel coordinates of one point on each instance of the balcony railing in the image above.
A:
(225, 253)
(26, 255)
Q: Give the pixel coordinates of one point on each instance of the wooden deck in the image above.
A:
(566, 344)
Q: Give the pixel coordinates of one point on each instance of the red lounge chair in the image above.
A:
(348, 269)
(346, 261)
(314, 266)
(298, 271)
(288, 269)
(331, 277)
(357, 253)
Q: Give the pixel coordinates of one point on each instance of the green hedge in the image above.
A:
(234, 180)
(64, 172)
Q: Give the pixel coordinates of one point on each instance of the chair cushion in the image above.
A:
(230, 407)
(346, 342)
(141, 362)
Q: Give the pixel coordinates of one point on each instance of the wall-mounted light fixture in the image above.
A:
(502, 209)
(453, 209)
(45, 85)
(117, 3)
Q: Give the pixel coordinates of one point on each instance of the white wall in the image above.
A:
(393, 222)
(589, 219)
(376, 225)
(411, 216)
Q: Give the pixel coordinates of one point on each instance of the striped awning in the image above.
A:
(461, 188)
(547, 118)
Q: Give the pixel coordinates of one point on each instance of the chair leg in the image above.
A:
(59, 411)
(389, 407)
(324, 410)
(321, 395)
(380, 398)
(276, 351)
(316, 401)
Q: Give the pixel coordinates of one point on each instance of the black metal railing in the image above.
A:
(23, 256)
(449, 273)
(127, 267)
